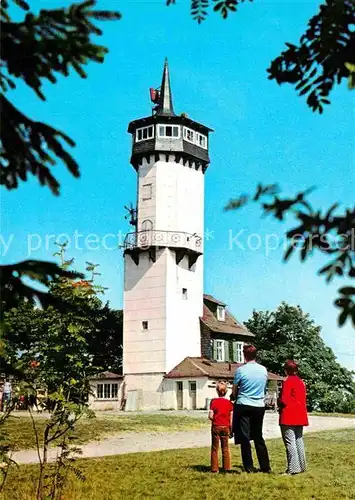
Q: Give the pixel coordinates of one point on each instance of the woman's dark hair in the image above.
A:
(291, 367)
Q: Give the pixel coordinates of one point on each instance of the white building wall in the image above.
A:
(179, 197)
(147, 208)
(206, 391)
(153, 293)
(153, 290)
(147, 389)
(144, 300)
(105, 404)
(183, 335)
(169, 400)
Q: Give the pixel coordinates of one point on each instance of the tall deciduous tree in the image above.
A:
(289, 333)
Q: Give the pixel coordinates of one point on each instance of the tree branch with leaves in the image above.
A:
(42, 47)
(323, 57)
(330, 233)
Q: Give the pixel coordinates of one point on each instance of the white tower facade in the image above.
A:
(163, 273)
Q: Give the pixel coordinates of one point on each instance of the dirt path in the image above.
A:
(139, 442)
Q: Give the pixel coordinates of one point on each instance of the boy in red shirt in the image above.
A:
(221, 411)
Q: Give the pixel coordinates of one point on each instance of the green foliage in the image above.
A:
(40, 47)
(319, 61)
(56, 349)
(288, 333)
(199, 10)
(79, 336)
(324, 56)
(330, 458)
(6, 448)
(14, 290)
(351, 80)
(20, 436)
(330, 233)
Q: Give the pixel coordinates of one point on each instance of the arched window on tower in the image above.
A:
(147, 225)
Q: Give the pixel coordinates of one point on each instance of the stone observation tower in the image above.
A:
(163, 258)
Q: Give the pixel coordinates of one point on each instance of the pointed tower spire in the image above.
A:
(165, 105)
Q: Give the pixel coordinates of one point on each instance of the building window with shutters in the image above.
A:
(238, 356)
(219, 350)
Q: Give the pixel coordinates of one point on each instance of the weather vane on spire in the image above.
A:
(162, 97)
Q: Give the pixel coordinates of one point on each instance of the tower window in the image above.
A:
(189, 135)
(142, 134)
(146, 192)
(201, 140)
(195, 138)
(184, 293)
(169, 131)
(145, 325)
(147, 225)
(221, 313)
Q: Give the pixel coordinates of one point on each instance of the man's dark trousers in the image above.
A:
(249, 420)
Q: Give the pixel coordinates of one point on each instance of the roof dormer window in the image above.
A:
(221, 313)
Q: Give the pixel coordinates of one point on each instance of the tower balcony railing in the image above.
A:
(153, 238)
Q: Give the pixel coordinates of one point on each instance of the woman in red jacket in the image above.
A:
(293, 417)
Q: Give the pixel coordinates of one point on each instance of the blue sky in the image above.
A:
(262, 133)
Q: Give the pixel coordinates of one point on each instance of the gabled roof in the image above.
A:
(210, 298)
(201, 367)
(230, 326)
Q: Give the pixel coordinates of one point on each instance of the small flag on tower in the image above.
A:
(154, 95)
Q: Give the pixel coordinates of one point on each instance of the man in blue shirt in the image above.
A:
(249, 388)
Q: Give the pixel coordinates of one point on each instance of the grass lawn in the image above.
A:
(20, 433)
(184, 474)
